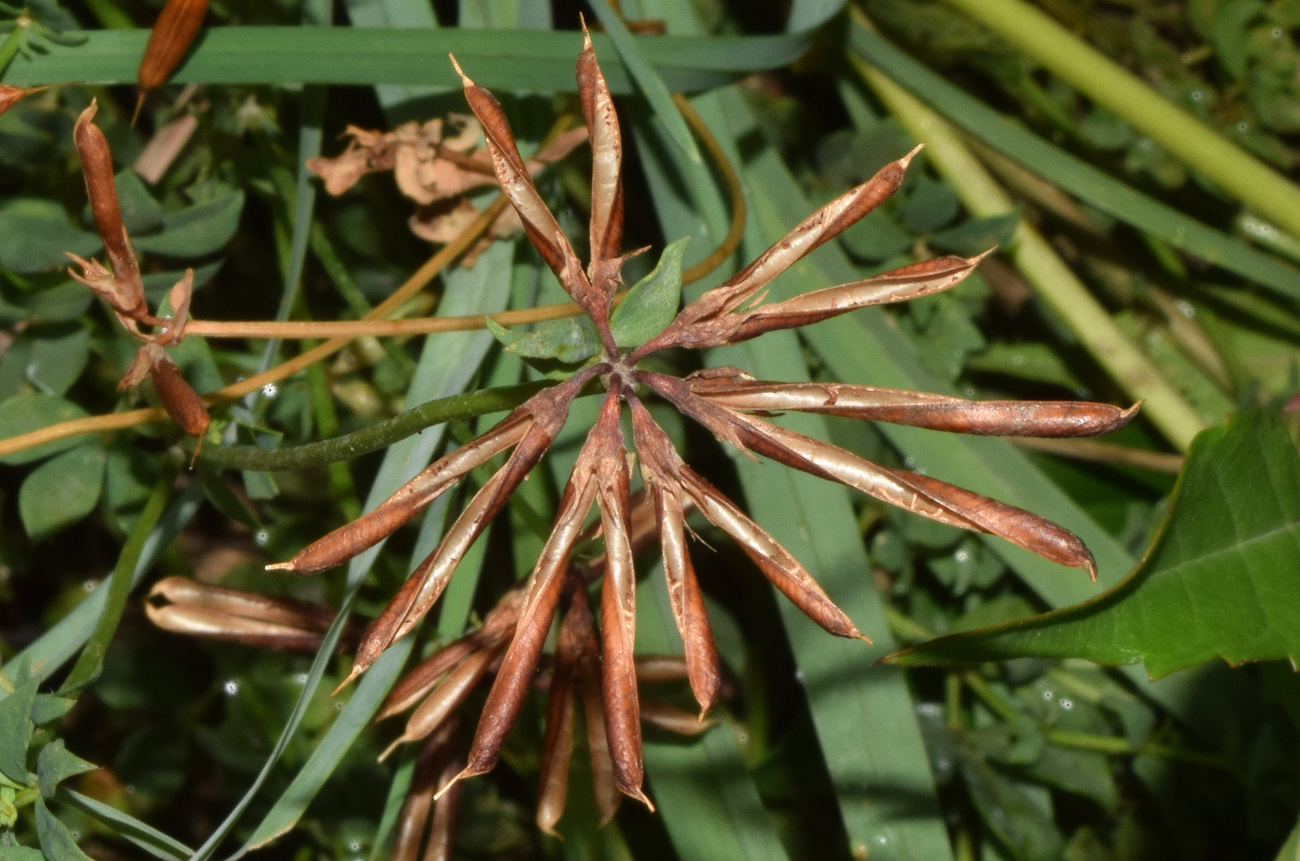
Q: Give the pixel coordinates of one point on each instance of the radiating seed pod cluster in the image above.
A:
(728, 403)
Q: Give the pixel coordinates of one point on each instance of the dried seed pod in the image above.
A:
(606, 175)
(919, 409)
(169, 42)
(182, 403)
(684, 595)
(671, 718)
(10, 96)
(432, 762)
(125, 293)
(539, 224)
(185, 606)
(823, 225)
(535, 617)
(604, 785)
(444, 699)
(423, 588)
(618, 603)
(557, 746)
(496, 629)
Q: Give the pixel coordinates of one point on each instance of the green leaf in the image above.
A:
(57, 841)
(652, 302)
(48, 358)
(1218, 581)
(28, 412)
(61, 491)
(48, 707)
(56, 764)
(570, 340)
(16, 730)
(196, 230)
(140, 212)
(35, 232)
(148, 838)
(21, 853)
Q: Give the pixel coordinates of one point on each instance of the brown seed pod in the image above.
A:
(125, 291)
(182, 403)
(169, 42)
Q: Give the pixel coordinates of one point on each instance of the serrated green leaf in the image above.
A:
(652, 302)
(16, 730)
(1218, 582)
(61, 491)
(570, 340)
(55, 764)
(196, 230)
(34, 233)
(57, 841)
(29, 412)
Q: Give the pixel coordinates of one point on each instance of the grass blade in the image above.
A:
(533, 60)
(148, 838)
(1073, 175)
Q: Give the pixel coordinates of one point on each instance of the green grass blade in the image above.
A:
(57, 645)
(531, 60)
(405, 14)
(1071, 174)
(87, 668)
(864, 723)
(148, 838)
(1107, 83)
(707, 799)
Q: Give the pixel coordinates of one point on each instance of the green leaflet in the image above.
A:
(1218, 582)
(652, 302)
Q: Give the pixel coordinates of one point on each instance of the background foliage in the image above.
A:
(1143, 259)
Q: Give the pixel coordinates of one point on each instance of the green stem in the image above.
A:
(1055, 283)
(1109, 84)
(378, 435)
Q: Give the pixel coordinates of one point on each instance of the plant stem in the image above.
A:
(1055, 283)
(1109, 84)
(376, 436)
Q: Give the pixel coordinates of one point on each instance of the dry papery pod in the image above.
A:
(177, 397)
(169, 41)
(124, 290)
(197, 609)
(435, 770)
